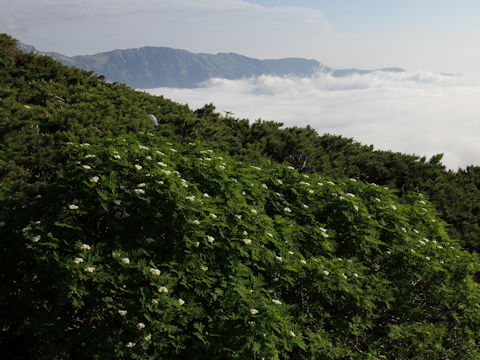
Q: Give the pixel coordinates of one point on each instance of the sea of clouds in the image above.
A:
(416, 113)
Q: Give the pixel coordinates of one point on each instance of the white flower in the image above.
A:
(404, 230)
(279, 182)
(303, 262)
(422, 202)
(117, 202)
(239, 217)
(197, 244)
(159, 152)
(78, 260)
(167, 172)
(73, 207)
(244, 233)
(287, 210)
(140, 326)
(162, 289)
(196, 222)
(205, 195)
(139, 191)
(253, 211)
(190, 198)
(155, 301)
(147, 337)
(117, 156)
(278, 258)
(86, 167)
(415, 231)
(125, 261)
(130, 344)
(355, 207)
(107, 299)
(265, 186)
(247, 241)
(325, 272)
(427, 258)
(2, 223)
(94, 179)
(344, 276)
(90, 269)
(355, 274)
(162, 164)
(292, 334)
(85, 247)
(325, 235)
(290, 167)
(253, 311)
(210, 239)
(330, 182)
(36, 238)
(320, 184)
(173, 150)
(138, 167)
(204, 268)
(141, 185)
(181, 302)
(291, 252)
(275, 301)
(122, 312)
(354, 180)
(393, 207)
(256, 167)
(269, 235)
(350, 194)
(154, 271)
(221, 167)
(213, 216)
(149, 240)
(143, 147)
(304, 183)
(305, 206)
(311, 191)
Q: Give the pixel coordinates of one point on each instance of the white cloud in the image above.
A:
(421, 113)
(72, 27)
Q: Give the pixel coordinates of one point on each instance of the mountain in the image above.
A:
(151, 67)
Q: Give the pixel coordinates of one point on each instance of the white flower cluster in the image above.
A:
(154, 271)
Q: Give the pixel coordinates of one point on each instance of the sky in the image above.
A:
(433, 35)
(420, 112)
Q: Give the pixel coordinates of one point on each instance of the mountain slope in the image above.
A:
(150, 67)
(121, 239)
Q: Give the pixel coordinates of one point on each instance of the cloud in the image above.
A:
(73, 28)
(421, 113)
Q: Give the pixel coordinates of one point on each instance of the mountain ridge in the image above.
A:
(152, 67)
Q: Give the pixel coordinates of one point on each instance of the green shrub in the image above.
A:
(151, 250)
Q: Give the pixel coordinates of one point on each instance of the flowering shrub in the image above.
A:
(150, 260)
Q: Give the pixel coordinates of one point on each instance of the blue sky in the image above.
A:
(436, 35)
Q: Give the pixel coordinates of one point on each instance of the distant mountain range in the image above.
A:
(152, 67)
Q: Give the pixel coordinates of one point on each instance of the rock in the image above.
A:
(153, 119)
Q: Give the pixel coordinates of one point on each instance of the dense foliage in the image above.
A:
(192, 239)
(147, 249)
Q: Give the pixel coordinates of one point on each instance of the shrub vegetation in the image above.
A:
(187, 240)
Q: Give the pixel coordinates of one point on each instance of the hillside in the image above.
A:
(151, 67)
(197, 238)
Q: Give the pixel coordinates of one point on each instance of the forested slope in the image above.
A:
(46, 103)
(193, 239)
